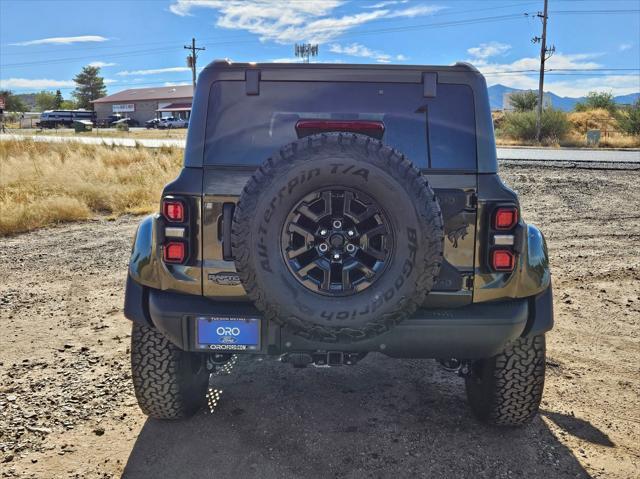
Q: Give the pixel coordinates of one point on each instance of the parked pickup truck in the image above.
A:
(325, 212)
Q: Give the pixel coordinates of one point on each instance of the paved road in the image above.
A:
(569, 154)
(532, 154)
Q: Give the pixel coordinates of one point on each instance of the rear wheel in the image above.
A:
(169, 383)
(506, 390)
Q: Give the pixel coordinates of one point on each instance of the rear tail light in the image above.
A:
(173, 210)
(174, 252)
(505, 218)
(365, 127)
(502, 260)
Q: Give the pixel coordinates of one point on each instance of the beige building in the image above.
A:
(142, 104)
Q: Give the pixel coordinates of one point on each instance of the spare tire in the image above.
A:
(338, 237)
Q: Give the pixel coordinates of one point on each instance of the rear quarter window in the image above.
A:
(244, 130)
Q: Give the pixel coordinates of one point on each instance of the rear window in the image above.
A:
(244, 130)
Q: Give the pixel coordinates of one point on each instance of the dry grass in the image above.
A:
(46, 183)
(178, 133)
(599, 119)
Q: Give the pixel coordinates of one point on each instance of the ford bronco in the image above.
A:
(325, 212)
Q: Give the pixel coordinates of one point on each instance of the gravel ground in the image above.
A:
(67, 408)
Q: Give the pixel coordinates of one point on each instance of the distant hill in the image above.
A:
(28, 99)
(565, 103)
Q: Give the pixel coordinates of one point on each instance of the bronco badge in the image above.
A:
(225, 279)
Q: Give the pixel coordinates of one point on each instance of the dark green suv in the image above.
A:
(325, 212)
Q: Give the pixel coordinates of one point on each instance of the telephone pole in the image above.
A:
(545, 54)
(192, 59)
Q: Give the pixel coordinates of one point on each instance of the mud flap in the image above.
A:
(540, 313)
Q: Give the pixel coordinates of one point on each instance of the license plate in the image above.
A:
(228, 333)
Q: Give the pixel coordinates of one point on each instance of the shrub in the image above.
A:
(596, 100)
(524, 100)
(629, 121)
(122, 126)
(522, 125)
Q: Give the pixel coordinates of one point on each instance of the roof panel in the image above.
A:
(143, 94)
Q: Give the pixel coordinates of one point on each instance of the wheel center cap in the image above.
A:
(337, 241)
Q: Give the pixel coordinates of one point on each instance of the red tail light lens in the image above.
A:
(173, 210)
(503, 260)
(366, 127)
(505, 218)
(174, 252)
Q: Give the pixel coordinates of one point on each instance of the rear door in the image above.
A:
(436, 133)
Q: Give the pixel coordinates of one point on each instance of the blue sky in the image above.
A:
(137, 43)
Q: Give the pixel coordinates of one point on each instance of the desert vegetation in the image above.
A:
(619, 126)
(45, 183)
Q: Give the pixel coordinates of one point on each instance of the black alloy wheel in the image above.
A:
(337, 241)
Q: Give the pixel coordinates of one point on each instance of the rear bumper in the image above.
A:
(476, 331)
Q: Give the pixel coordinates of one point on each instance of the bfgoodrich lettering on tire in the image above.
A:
(338, 236)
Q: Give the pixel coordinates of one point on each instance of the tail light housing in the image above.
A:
(173, 210)
(503, 260)
(505, 218)
(175, 237)
(503, 238)
(174, 252)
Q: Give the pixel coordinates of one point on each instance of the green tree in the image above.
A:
(89, 86)
(629, 121)
(12, 102)
(596, 100)
(524, 100)
(45, 100)
(68, 105)
(59, 100)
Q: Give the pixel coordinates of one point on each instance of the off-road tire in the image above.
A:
(169, 383)
(506, 390)
(392, 180)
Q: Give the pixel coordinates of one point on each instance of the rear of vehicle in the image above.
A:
(329, 211)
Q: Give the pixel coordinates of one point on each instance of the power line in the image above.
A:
(461, 22)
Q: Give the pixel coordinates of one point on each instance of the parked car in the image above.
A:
(128, 121)
(325, 212)
(149, 124)
(173, 122)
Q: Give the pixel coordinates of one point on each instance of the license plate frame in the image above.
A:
(228, 333)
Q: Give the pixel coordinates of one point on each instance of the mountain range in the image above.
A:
(564, 103)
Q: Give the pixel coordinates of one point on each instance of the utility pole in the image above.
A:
(545, 54)
(192, 59)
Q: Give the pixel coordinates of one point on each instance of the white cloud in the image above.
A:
(102, 64)
(487, 50)
(154, 71)
(35, 83)
(625, 46)
(385, 4)
(511, 74)
(297, 21)
(170, 83)
(62, 40)
(358, 50)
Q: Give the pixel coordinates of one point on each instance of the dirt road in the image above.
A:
(67, 408)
